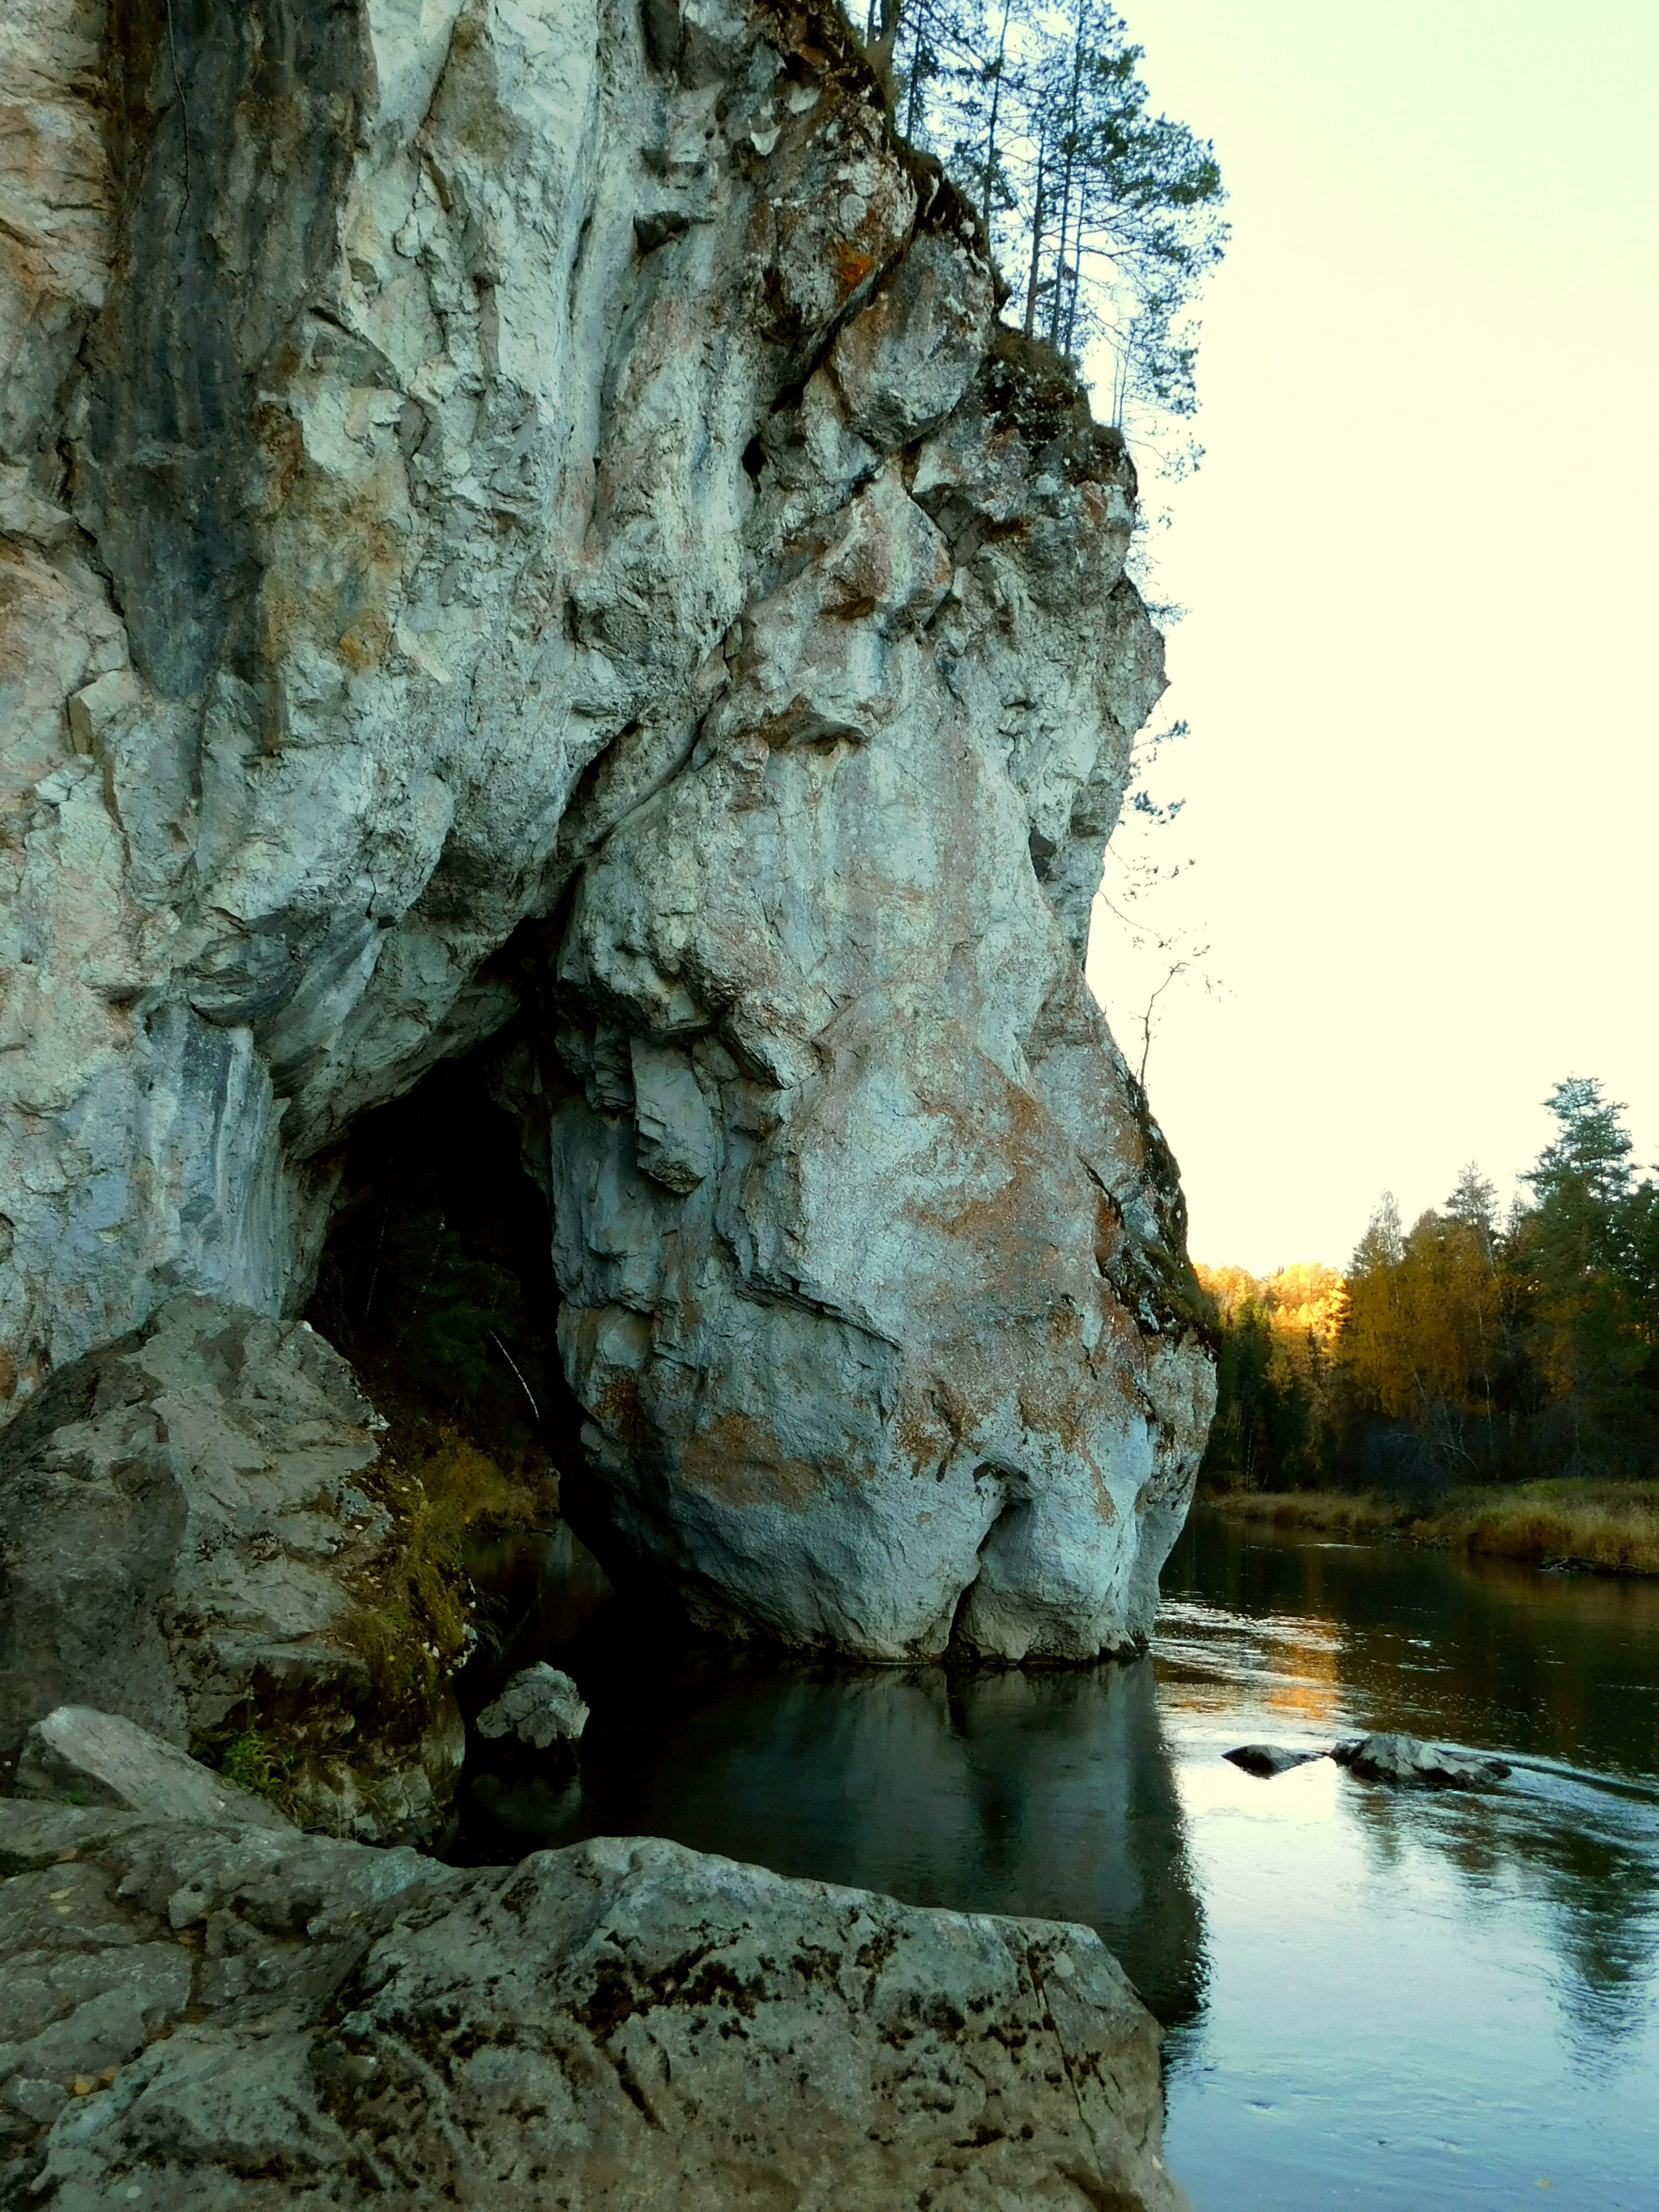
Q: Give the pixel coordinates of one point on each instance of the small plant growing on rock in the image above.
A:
(252, 1761)
(415, 1625)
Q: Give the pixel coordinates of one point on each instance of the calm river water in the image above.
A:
(1373, 1999)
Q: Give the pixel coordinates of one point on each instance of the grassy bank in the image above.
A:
(1611, 1526)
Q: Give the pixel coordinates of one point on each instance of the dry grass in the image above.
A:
(1611, 1526)
(1348, 1513)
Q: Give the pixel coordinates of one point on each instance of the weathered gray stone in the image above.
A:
(464, 467)
(1265, 1760)
(1409, 1764)
(185, 1518)
(539, 1708)
(77, 1756)
(238, 2020)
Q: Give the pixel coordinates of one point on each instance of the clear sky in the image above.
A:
(1419, 565)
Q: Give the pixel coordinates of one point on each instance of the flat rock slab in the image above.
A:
(1267, 1760)
(224, 2019)
(1409, 1764)
(82, 1757)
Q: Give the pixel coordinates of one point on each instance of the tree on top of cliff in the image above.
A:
(1104, 216)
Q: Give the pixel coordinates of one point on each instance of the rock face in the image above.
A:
(184, 1523)
(548, 473)
(231, 2019)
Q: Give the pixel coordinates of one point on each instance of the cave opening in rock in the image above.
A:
(436, 1282)
(437, 1277)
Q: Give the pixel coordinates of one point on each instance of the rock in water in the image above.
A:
(185, 1517)
(77, 1756)
(539, 1708)
(474, 475)
(1268, 1760)
(620, 2027)
(1410, 1765)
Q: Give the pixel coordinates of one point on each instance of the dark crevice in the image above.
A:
(436, 1280)
(1016, 1502)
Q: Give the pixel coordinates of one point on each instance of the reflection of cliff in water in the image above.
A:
(1047, 1793)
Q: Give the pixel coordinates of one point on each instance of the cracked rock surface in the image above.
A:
(224, 2018)
(520, 509)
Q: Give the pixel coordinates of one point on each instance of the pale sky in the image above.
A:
(1419, 565)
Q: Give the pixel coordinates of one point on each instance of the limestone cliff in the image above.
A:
(521, 509)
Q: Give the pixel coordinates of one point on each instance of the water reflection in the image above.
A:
(1560, 1674)
(1380, 2001)
(1416, 2000)
(1044, 1793)
(1554, 1666)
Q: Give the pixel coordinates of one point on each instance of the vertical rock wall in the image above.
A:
(546, 471)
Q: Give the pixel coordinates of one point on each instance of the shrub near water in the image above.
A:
(1611, 1526)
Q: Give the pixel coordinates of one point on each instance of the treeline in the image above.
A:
(1104, 216)
(1467, 1348)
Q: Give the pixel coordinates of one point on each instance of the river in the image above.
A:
(1373, 1999)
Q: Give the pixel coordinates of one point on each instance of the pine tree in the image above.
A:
(1105, 217)
(1574, 1250)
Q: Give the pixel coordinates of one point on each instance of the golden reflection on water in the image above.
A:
(1311, 1686)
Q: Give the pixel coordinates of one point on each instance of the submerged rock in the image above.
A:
(551, 476)
(1268, 1760)
(226, 2019)
(1403, 1760)
(187, 1518)
(539, 1708)
(80, 1757)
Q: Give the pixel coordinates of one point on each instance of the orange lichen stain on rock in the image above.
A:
(1053, 1405)
(926, 1432)
(852, 266)
(1004, 1220)
(616, 1408)
(736, 1459)
(364, 645)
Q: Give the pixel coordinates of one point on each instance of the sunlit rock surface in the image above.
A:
(544, 476)
(233, 2018)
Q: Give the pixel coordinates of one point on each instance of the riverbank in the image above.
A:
(1613, 1526)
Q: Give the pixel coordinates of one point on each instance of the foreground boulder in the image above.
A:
(550, 477)
(1409, 1764)
(219, 2018)
(190, 1525)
